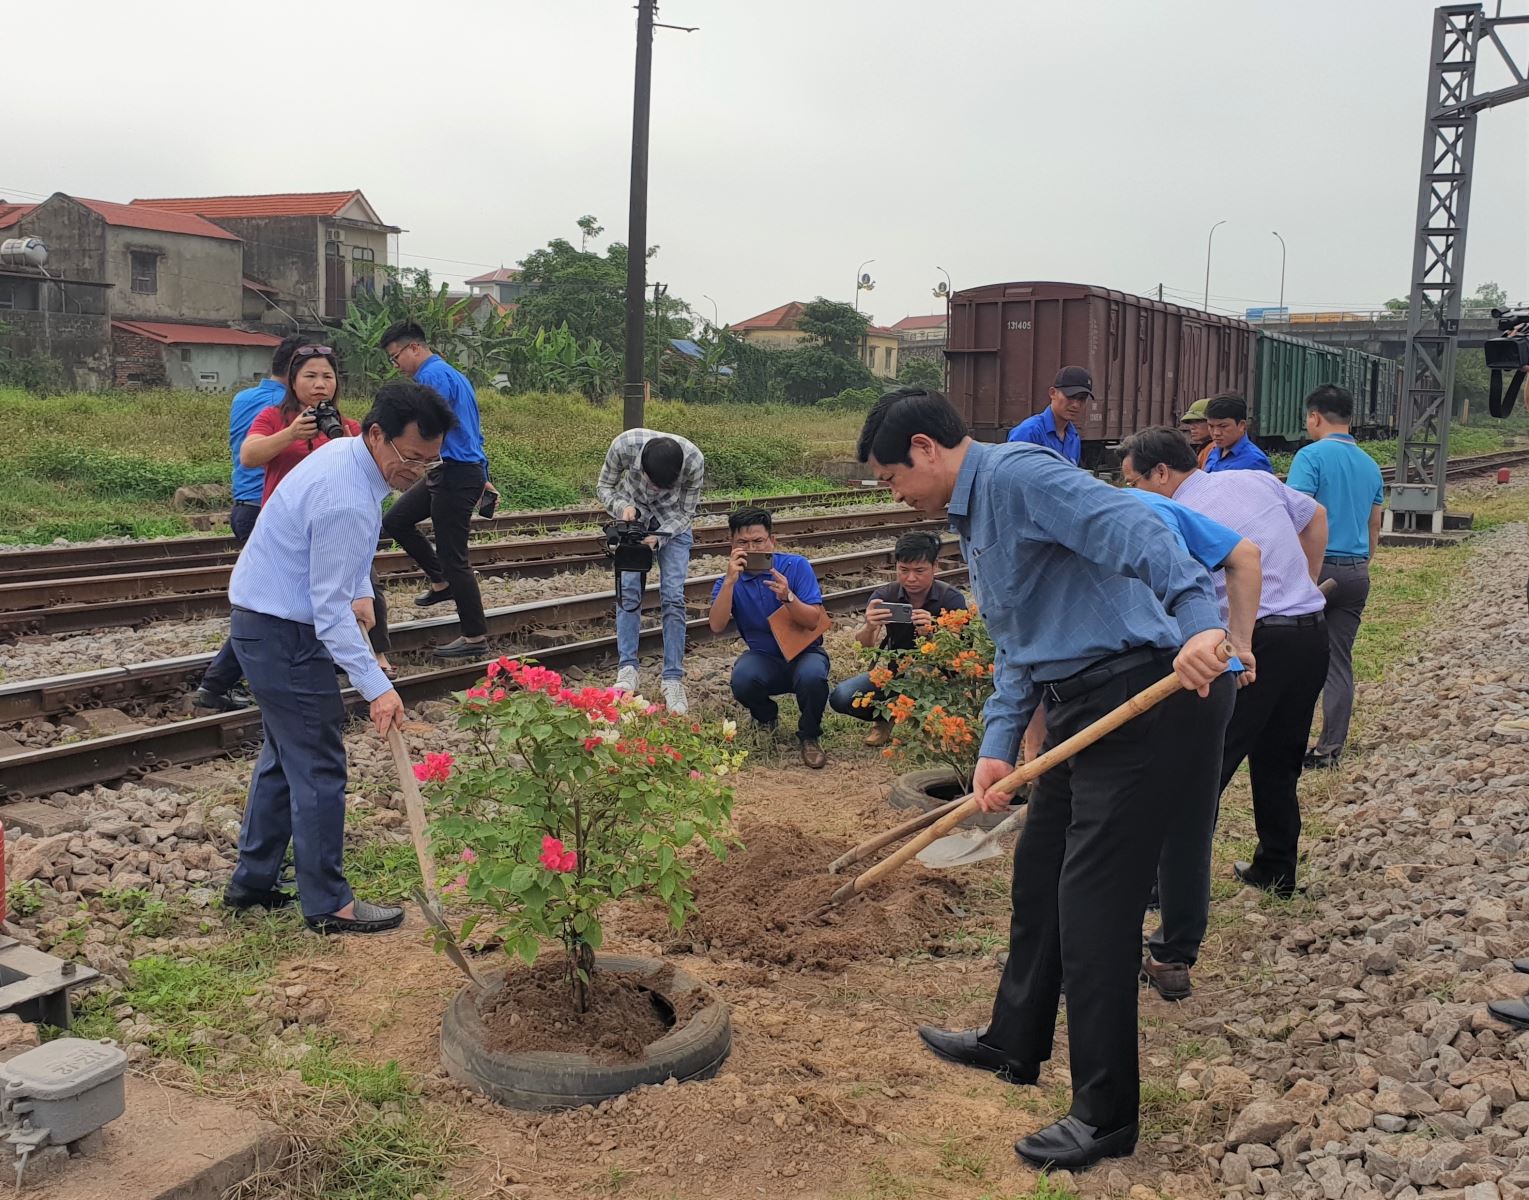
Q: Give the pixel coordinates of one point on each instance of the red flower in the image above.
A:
(477, 693)
(555, 858)
(590, 743)
(435, 766)
(493, 669)
(499, 694)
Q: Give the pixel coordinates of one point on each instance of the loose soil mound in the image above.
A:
(756, 906)
(534, 1011)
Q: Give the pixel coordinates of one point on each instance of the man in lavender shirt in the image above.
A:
(1272, 719)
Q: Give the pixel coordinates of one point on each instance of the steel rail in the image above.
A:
(104, 760)
(28, 699)
(105, 559)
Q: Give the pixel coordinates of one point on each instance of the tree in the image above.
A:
(1488, 296)
(590, 228)
(835, 326)
(1398, 304)
(922, 372)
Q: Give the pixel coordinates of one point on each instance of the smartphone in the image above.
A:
(902, 614)
(759, 561)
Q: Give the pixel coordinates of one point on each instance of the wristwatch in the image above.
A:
(790, 596)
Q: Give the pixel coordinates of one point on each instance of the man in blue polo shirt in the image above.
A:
(1056, 425)
(446, 496)
(749, 598)
(1345, 481)
(1227, 417)
(217, 690)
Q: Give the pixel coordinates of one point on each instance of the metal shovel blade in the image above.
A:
(969, 845)
(449, 939)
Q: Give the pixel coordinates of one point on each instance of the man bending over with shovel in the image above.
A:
(1089, 600)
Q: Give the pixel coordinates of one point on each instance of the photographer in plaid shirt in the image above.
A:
(651, 475)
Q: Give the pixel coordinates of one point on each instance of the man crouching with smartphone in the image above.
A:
(898, 614)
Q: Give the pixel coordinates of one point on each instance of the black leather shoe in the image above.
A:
(966, 1047)
(1283, 888)
(1510, 1012)
(205, 697)
(239, 899)
(463, 648)
(369, 918)
(432, 596)
(1072, 1145)
(1521, 964)
(1320, 762)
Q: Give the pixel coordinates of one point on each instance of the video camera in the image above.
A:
(327, 417)
(625, 542)
(1509, 353)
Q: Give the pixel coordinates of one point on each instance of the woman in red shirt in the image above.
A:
(285, 434)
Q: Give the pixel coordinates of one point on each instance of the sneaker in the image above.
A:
(880, 735)
(626, 680)
(368, 918)
(1168, 980)
(674, 697)
(205, 697)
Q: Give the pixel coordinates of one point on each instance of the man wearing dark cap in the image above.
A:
(1056, 425)
(1195, 424)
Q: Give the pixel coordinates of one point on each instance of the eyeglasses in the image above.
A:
(311, 351)
(418, 464)
(754, 543)
(395, 355)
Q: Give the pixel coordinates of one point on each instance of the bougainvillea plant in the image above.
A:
(572, 798)
(933, 694)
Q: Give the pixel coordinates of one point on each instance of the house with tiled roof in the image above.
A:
(777, 329)
(922, 329)
(308, 253)
(502, 283)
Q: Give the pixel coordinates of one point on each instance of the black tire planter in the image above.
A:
(933, 786)
(552, 1079)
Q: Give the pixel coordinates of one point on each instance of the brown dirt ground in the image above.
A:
(827, 1093)
(531, 1012)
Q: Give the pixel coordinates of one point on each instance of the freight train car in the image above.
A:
(1149, 360)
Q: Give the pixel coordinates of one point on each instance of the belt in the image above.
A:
(246, 503)
(1305, 621)
(1345, 561)
(1060, 691)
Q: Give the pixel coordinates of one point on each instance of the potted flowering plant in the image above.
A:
(571, 799)
(933, 696)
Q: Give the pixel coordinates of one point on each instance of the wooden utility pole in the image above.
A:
(637, 222)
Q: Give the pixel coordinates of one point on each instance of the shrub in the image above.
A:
(572, 799)
(110, 473)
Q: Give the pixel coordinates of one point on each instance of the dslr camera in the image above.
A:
(630, 555)
(327, 417)
(1507, 354)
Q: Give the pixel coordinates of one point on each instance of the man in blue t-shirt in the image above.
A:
(1056, 425)
(217, 690)
(749, 598)
(446, 496)
(1345, 481)
(1227, 418)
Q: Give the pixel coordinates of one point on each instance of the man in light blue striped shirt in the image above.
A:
(302, 602)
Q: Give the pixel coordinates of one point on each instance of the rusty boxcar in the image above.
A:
(1149, 360)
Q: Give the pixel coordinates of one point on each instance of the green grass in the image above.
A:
(85, 466)
(1481, 438)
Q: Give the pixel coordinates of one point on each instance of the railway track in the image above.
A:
(25, 563)
(131, 754)
(73, 604)
(1475, 464)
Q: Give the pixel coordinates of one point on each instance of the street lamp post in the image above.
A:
(858, 284)
(1281, 272)
(1208, 242)
(949, 287)
(715, 323)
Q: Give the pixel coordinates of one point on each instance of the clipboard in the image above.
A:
(791, 637)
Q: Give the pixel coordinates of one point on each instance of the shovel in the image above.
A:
(1168, 686)
(970, 845)
(414, 806)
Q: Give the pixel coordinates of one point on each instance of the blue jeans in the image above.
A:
(673, 558)
(758, 677)
(857, 685)
(223, 672)
(297, 791)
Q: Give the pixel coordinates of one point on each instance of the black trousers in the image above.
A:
(1082, 873)
(1269, 728)
(447, 496)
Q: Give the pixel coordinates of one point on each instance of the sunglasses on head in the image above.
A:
(311, 351)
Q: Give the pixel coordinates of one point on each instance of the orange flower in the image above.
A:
(880, 677)
(928, 648)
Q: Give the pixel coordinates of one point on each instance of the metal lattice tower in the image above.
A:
(1460, 33)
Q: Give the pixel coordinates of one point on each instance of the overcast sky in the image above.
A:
(998, 139)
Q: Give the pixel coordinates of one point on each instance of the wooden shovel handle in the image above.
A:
(1167, 686)
(897, 832)
(414, 806)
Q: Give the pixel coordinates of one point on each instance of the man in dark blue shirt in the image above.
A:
(1089, 599)
(446, 496)
(750, 598)
(218, 682)
(1056, 425)
(1227, 417)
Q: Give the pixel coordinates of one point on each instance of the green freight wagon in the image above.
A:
(1287, 370)
(1372, 381)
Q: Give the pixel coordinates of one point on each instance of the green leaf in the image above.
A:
(594, 935)
(527, 947)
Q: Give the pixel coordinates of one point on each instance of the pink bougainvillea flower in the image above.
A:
(477, 693)
(456, 885)
(493, 669)
(567, 861)
(650, 710)
(590, 743)
(695, 775)
(435, 766)
(469, 857)
(499, 694)
(555, 858)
